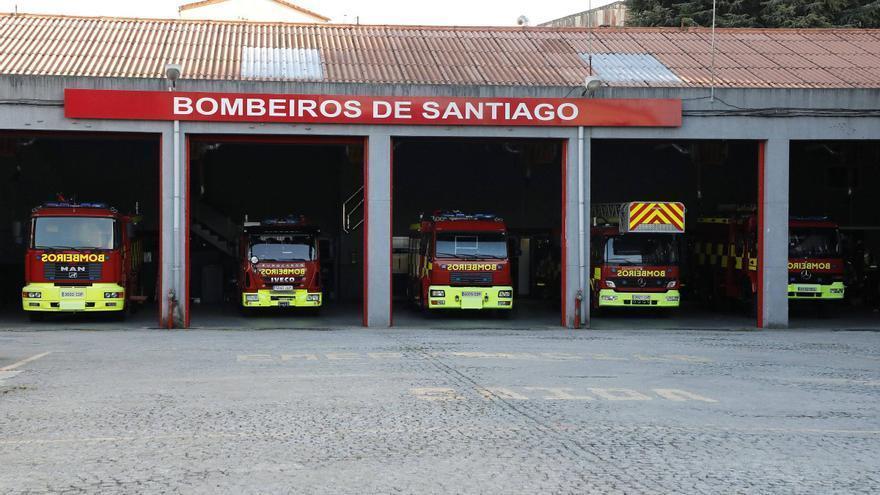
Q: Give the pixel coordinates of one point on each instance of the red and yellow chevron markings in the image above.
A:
(658, 213)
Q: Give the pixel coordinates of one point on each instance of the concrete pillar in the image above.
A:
(571, 246)
(166, 232)
(774, 204)
(587, 153)
(173, 229)
(377, 296)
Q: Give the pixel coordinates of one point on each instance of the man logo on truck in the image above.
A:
(80, 241)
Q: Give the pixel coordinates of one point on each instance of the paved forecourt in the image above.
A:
(364, 411)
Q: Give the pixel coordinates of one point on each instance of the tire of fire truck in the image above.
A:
(36, 316)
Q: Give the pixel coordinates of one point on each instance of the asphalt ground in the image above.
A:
(414, 410)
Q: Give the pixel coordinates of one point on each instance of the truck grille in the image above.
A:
(484, 278)
(635, 283)
(84, 271)
(814, 278)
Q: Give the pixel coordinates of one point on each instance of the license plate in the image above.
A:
(72, 305)
(472, 303)
(283, 304)
(807, 288)
(471, 293)
(73, 293)
(643, 302)
(283, 287)
(641, 297)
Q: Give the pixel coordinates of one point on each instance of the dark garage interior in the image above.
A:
(260, 179)
(836, 181)
(519, 180)
(119, 170)
(714, 179)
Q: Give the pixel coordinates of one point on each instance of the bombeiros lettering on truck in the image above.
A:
(459, 261)
(280, 265)
(635, 254)
(81, 257)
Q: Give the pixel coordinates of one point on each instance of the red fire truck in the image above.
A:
(81, 257)
(280, 265)
(460, 261)
(634, 254)
(726, 258)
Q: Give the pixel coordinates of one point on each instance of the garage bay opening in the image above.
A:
(276, 231)
(79, 225)
(674, 234)
(477, 232)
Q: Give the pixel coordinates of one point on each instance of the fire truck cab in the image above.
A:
(634, 255)
(815, 262)
(280, 264)
(81, 257)
(726, 258)
(460, 261)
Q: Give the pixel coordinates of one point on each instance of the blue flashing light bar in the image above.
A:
(459, 215)
(66, 204)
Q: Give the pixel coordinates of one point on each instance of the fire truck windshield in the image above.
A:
(74, 233)
(283, 247)
(642, 249)
(813, 243)
(472, 245)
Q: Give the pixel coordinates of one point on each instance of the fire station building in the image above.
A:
(199, 125)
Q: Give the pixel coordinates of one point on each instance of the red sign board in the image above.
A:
(389, 110)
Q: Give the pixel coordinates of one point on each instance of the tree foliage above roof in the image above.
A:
(756, 13)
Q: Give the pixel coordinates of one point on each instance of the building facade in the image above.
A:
(772, 88)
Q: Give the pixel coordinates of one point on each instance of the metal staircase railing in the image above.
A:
(350, 207)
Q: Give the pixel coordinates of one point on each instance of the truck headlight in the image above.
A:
(505, 293)
(112, 295)
(313, 297)
(438, 293)
(610, 284)
(251, 297)
(32, 295)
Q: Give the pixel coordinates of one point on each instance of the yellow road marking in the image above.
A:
(560, 393)
(24, 361)
(619, 394)
(435, 393)
(677, 395)
(501, 393)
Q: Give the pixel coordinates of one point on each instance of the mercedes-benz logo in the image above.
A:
(641, 282)
(806, 275)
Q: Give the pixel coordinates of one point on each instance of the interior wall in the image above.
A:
(520, 180)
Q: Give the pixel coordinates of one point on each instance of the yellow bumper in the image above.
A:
(266, 298)
(611, 298)
(448, 297)
(51, 298)
(833, 291)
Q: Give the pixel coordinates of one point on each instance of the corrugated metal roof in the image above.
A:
(631, 68)
(225, 50)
